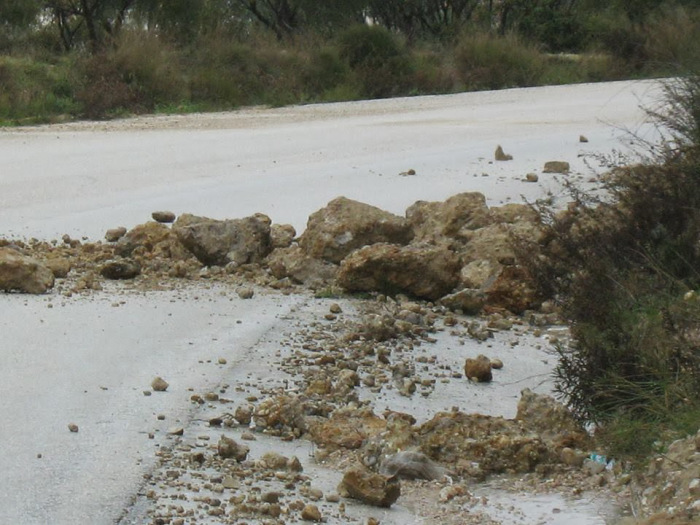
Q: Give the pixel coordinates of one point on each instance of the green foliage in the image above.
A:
(138, 75)
(553, 25)
(111, 57)
(379, 61)
(33, 92)
(486, 61)
(626, 271)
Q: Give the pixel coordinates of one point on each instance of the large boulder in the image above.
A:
(24, 274)
(345, 225)
(218, 243)
(513, 289)
(433, 221)
(346, 428)
(479, 445)
(421, 270)
(514, 213)
(547, 417)
(293, 263)
(151, 238)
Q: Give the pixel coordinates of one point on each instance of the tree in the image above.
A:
(96, 19)
(19, 13)
(422, 17)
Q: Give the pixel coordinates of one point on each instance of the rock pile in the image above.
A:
(459, 252)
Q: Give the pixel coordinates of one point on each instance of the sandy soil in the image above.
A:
(88, 360)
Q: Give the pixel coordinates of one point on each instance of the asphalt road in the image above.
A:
(88, 360)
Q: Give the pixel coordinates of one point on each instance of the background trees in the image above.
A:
(97, 58)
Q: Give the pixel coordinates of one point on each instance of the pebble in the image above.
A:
(163, 216)
(311, 513)
(245, 292)
(159, 384)
(73, 427)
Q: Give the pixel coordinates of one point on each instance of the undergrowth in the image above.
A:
(626, 267)
(141, 71)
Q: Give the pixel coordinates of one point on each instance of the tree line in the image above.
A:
(560, 25)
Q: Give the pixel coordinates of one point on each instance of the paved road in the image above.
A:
(88, 361)
(83, 179)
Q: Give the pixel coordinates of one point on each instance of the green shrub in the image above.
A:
(616, 35)
(486, 61)
(379, 62)
(672, 40)
(626, 271)
(137, 75)
(32, 91)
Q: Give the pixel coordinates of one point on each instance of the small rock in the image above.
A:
(245, 292)
(532, 177)
(370, 488)
(694, 487)
(222, 361)
(228, 448)
(282, 235)
(496, 364)
(478, 369)
(120, 269)
(593, 467)
(73, 427)
(114, 234)
(571, 457)
(244, 414)
(60, 267)
(335, 308)
(451, 492)
(176, 431)
(408, 173)
(582, 138)
(311, 513)
(159, 384)
(556, 166)
(271, 497)
(163, 216)
(315, 494)
(500, 155)
(411, 465)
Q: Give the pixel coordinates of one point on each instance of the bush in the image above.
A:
(32, 91)
(139, 73)
(672, 40)
(485, 61)
(627, 271)
(378, 60)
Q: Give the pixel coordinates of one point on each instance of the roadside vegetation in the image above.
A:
(67, 59)
(626, 268)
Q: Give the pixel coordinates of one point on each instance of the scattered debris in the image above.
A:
(500, 155)
(556, 166)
